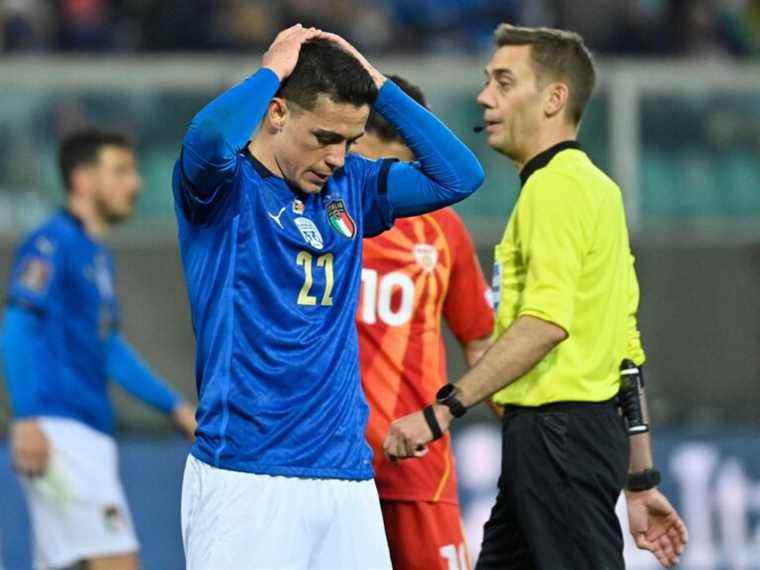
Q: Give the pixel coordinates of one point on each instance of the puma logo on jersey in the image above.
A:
(277, 217)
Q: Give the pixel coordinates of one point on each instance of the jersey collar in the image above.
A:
(73, 218)
(543, 158)
(264, 172)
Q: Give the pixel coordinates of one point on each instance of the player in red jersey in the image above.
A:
(423, 269)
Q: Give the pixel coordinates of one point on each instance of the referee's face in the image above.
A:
(511, 102)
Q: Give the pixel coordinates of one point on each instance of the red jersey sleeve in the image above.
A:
(467, 308)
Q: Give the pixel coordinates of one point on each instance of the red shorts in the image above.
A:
(425, 536)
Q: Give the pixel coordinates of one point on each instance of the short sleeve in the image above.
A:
(376, 209)
(552, 227)
(36, 269)
(468, 309)
(634, 349)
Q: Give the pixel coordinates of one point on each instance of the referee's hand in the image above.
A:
(656, 526)
(30, 448)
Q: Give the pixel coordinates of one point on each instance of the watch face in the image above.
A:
(445, 392)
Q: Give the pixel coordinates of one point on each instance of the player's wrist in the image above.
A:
(280, 73)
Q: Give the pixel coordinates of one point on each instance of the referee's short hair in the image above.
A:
(556, 55)
(383, 129)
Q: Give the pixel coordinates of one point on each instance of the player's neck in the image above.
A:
(262, 151)
(87, 213)
(544, 140)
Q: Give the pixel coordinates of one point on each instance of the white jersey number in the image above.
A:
(377, 296)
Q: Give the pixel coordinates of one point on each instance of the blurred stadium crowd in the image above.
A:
(701, 28)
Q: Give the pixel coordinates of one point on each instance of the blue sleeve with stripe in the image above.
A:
(21, 352)
(133, 374)
(219, 131)
(446, 171)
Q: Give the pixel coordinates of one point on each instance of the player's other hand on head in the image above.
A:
(184, 417)
(282, 55)
(29, 446)
(377, 77)
(656, 526)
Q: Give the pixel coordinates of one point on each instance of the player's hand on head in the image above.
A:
(29, 447)
(282, 55)
(656, 526)
(377, 77)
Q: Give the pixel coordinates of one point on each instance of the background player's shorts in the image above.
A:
(78, 509)
(242, 521)
(425, 536)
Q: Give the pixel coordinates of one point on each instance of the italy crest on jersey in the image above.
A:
(340, 219)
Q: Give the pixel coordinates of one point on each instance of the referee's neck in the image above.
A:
(545, 140)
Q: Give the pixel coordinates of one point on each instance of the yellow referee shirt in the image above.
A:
(565, 258)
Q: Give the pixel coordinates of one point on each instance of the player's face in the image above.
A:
(314, 143)
(511, 101)
(375, 148)
(117, 183)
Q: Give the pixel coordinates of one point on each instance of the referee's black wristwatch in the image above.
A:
(446, 396)
(643, 480)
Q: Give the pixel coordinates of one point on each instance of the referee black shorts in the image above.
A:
(563, 467)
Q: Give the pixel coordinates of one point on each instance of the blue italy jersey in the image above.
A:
(65, 278)
(273, 277)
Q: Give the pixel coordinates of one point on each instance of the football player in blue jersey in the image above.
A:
(61, 344)
(272, 208)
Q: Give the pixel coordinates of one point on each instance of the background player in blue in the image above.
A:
(270, 233)
(61, 345)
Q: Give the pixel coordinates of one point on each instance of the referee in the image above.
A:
(566, 318)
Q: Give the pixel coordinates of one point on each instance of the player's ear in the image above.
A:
(277, 114)
(555, 98)
(82, 179)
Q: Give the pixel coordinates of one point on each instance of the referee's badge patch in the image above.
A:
(425, 255)
(310, 232)
(35, 275)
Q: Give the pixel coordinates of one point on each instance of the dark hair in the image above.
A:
(325, 68)
(382, 128)
(82, 147)
(558, 54)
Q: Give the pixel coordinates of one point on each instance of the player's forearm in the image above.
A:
(225, 125)
(21, 348)
(132, 374)
(517, 351)
(451, 171)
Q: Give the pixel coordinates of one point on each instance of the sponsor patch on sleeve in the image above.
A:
(35, 274)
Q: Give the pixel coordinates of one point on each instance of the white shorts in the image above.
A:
(78, 509)
(243, 521)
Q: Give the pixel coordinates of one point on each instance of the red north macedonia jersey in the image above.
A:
(423, 269)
